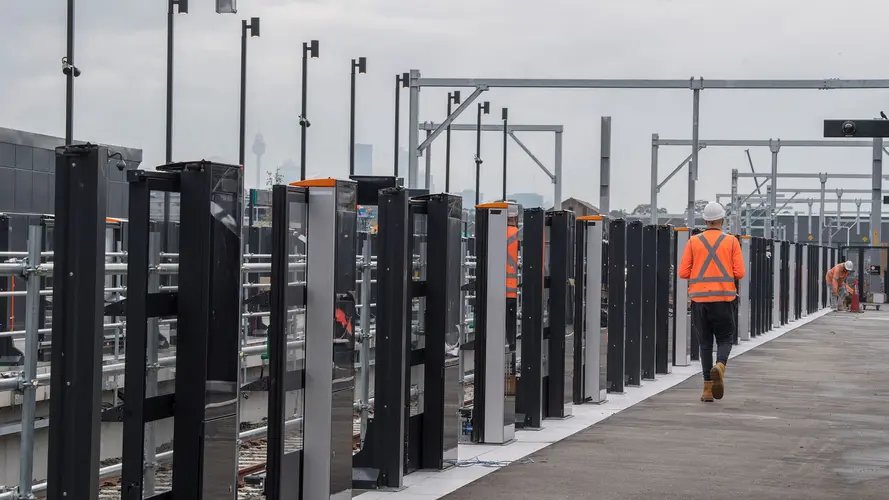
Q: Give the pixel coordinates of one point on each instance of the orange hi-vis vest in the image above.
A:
(512, 262)
(837, 276)
(711, 264)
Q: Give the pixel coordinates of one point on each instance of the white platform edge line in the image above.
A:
(585, 417)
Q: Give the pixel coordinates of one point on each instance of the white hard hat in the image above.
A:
(848, 265)
(714, 211)
(512, 210)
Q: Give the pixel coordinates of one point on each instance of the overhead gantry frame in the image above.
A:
(695, 85)
(556, 130)
(774, 146)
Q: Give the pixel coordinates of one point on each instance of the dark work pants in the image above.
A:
(714, 320)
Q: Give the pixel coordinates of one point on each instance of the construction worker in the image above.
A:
(711, 263)
(836, 277)
(512, 272)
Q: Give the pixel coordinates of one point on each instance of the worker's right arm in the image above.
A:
(737, 260)
(686, 263)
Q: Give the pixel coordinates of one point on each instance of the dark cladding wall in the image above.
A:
(27, 180)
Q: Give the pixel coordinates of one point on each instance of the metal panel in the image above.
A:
(7, 155)
(23, 190)
(529, 399)
(40, 201)
(561, 328)
(665, 293)
(74, 431)
(682, 332)
(633, 332)
(616, 296)
(327, 464)
(649, 301)
(595, 331)
(776, 285)
(491, 367)
(24, 157)
(744, 293)
(7, 189)
(286, 361)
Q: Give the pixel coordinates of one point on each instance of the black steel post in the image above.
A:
(448, 148)
(505, 138)
(529, 404)
(649, 301)
(243, 107)
(633, 325)
(616, 288)
(79, 244)
(352, 121)
(398, 83)
(478, 154)
(165, 239)
(303, 122)
(69, 84)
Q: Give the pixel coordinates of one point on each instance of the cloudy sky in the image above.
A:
(120, 98)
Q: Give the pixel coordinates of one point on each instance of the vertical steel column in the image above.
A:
(767, 231)
(617, 235)
(283, 480)
(441, 381)
(749, 214)
(605, 166)
(821, 223)
(633, 332)
(394, 257)
(559, 180)
(489, 423)
(771, 216)
(151, 348)
(561, 327)
(734, 222)
(665, 314)
(876, 193)
(654, 178)
(776, 284)
(78, 288)
(693, 164)
(682, 331)
(413, 130)
(329, 354)
(28, 385)
(529, 399)
(589, 304)
(744, 292)
(649, 301)
(427, 181)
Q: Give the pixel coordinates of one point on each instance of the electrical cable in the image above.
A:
(493, 463)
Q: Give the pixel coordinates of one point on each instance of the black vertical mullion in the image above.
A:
(665, 308)
(616, 288)
(580, 283)
(649, 301)
(440, 210)
(633, 335)
(132, 466)
(191, 349)
(480, 310)
(393, 256)
(529, 405)
(558, 322)
(78, 286)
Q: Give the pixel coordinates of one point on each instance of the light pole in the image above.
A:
(453, 98)
(71, 72)
(483, 107)
(401, 81)
(504, 113)
(253, 28)
(361, 66)
(310, 49)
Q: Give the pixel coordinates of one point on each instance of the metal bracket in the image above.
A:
(696, 84)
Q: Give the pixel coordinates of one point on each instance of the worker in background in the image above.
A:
(836, 278)
(711, 263)
(512, 272)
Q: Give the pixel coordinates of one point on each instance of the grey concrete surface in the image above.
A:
(805, 417)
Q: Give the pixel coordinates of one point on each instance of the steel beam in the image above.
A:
(835, 143)
(448, 121)
(800, 175)
(471, 127)
(691, 83)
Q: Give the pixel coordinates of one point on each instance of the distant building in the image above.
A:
(580, 207)
(527, 200)
(468, 196)
(364, 154)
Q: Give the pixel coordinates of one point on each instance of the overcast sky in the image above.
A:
(120, 98)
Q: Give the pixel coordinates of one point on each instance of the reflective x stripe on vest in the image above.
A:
(512, 261)
(724, 277)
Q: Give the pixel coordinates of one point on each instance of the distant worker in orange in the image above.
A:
(711, 264)
(836, 278)
(512, 272)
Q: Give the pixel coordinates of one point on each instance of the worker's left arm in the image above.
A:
(737, 260)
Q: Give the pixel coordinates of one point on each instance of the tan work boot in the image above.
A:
(717, 373)
(707, 397)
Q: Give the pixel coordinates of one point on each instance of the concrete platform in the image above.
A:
(806, 416)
